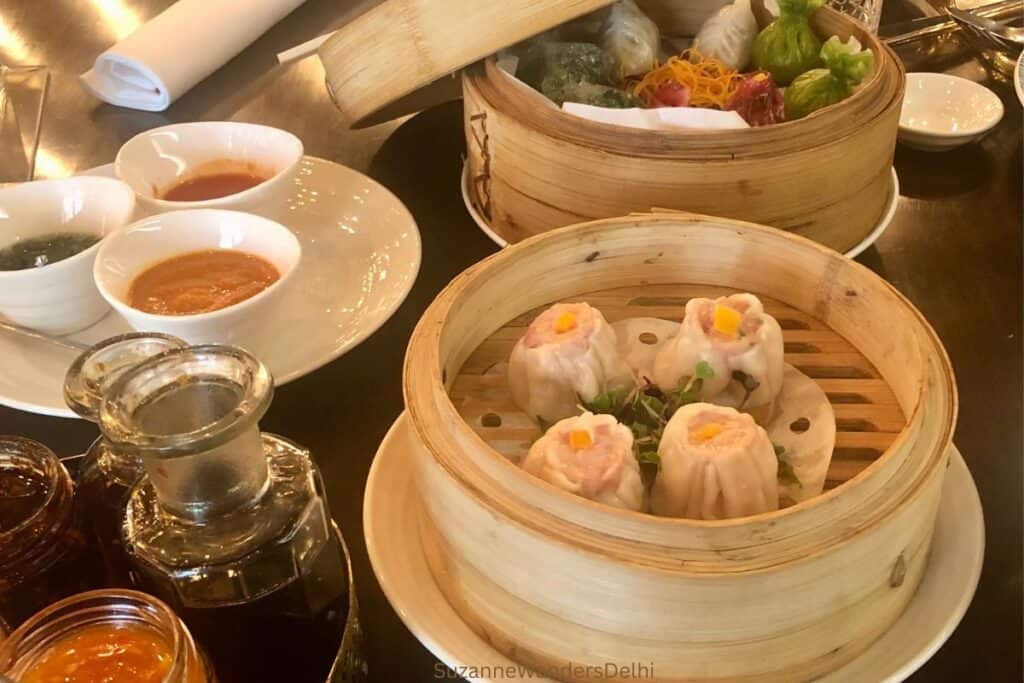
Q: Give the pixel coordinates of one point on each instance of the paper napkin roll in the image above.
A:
(181, 46)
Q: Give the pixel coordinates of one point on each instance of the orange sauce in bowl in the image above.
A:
(211, 186)
(104, 653)
(200, 282)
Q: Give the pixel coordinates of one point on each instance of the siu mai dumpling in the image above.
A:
(739, 341)
(716, 463)
(591, 456)
(568, 354)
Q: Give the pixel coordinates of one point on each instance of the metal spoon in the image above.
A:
(66, 343)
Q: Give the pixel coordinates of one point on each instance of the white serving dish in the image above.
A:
(251, 323)
(59, 298)
(361, 254)
(942, 112)
(1018, 78)
(400, 564)
(157, 159)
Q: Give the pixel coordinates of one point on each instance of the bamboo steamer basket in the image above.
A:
(553, 580)
(534, 168)
(826, 177)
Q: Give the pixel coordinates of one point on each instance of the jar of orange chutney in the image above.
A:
(116, 636)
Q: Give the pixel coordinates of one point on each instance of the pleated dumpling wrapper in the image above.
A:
(716, 463)
(739, 341)
(592, 456)
(568, 354)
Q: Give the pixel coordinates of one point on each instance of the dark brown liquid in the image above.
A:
(211, 186)
(292, 634)
(22, 493)
(101, 503)
(46, 559)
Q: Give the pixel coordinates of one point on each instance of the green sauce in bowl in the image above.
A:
(37, 252)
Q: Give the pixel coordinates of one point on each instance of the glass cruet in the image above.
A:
(230, 526)
(108, 473)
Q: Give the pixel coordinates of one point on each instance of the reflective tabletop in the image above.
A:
(954, 248)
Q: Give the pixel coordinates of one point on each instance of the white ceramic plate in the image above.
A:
(891, 200)
(361, 255)
(393, 543)
(1018, 78)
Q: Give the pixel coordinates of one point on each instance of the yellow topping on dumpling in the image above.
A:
(705, 433)
(727, 320)
(565, 322)
(580, 439)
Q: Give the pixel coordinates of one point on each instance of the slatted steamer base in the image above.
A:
(868, 418)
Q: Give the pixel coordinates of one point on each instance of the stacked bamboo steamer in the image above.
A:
(533, 167)
(554, 580)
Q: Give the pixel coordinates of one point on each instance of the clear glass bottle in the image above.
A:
(44, 555)
(118, 636)
(108, 473)
(230, 526)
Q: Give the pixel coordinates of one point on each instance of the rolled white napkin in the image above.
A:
(181, 46)
(661, 118)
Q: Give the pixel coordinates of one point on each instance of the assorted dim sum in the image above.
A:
(729, 35)
(590, 456)
(846, 65)
(788, 46)
(739, 341)
(618, 64)
(681, 413)
(631, 39)
(568, 355)
(716, 463)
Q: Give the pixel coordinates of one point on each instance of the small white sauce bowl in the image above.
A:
(59, 298)
(127, 253)
(156, 160)
(942, 112)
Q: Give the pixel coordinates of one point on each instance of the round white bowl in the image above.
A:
(60, 298)
(156, 160)
(128, 252)
(942, 112)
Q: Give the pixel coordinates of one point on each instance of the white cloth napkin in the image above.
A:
(178, 48)
(662, 118)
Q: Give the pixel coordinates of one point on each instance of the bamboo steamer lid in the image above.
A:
(400, 46)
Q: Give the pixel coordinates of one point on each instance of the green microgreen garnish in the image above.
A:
(748, 382)
(787, 475)
(647, 409)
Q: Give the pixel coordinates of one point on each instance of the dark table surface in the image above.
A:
(954, 248)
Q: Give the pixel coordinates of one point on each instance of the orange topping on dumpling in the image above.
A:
(727, 321)
(565, 322)
(705, 433)
(580, 439)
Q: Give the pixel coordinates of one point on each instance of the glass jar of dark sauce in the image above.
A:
(44, 555)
